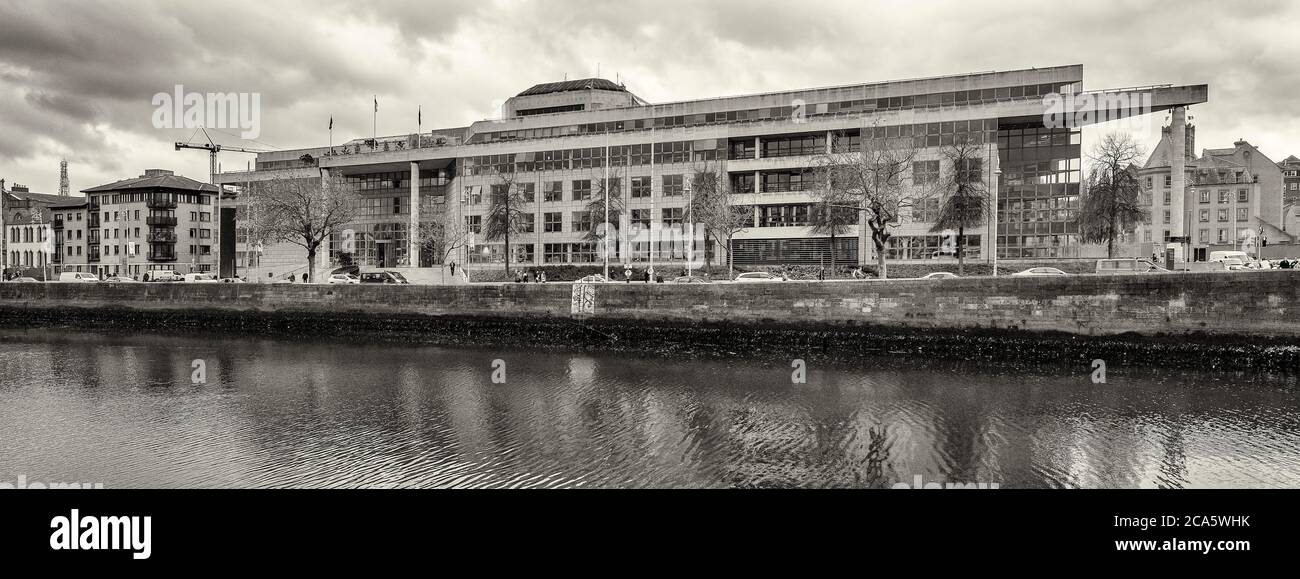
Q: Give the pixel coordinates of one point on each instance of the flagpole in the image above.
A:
(374, 124)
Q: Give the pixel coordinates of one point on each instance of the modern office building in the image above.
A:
(1231, 198)
(157, 221)
(562, 140)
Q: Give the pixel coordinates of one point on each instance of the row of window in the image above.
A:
(580, 189)
(952, 98)
(592, 157)
(1204, 235)
(580, 221)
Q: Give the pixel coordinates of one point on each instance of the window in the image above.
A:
(1223, 215)
(640, 218)
(1223, 236)
(969, 171)
(556, 252)
(672, 216)
(1242, 214)
(1167, 197)
(1204, 236)
(672, 186)
(1223, 196)
(640, 187)
(553, 191)
(1166, 217)
(925, 172)
(1243, 196)
(552, 223)
(1150, 184)
(528, 224)
(474, 223)
(528, 191)
(1205, 215)
(474, 194)
(1169, 181)
(581, 221)
(582, 189)
(1205, 196)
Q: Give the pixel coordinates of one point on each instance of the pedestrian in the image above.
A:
(647, 275)
(146, 276)
(543, 277)
(453, 268)
(650, 274)
(627, 273)
(821, 274)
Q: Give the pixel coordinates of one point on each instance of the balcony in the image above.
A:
(160, 203)
(162, 237)
(160, 221)
(57, 224)
(162, 256)
(92, 257)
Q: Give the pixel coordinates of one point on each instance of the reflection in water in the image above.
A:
(97, 407)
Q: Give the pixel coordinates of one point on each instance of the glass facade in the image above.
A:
(1038, 193)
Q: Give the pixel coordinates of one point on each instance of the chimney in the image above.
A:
(1191, 141)
(19, 189)
(157, 173)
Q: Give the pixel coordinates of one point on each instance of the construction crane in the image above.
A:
(213, 148)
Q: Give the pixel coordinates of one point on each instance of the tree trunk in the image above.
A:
(731, 263)
(961, 250)
(507, 240)
(832, 250)
(311, 263)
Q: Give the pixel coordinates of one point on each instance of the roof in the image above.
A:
(69, 203)
(155, 182)
(37, 197)
(574, 85)
(1290, 159)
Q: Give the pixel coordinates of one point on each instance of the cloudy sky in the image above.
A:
(77, 78)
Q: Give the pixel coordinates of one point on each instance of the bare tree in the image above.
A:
(506, 210)
(1112, 201)
(304, 212)
(965, 204)
(831, 215)
(711, 204)
(873, 178)
(444, 235)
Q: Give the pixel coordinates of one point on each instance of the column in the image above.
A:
(1178, 176)
(413, 231)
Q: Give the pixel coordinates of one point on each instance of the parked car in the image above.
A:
(1040, 272)
(199, 278)
(690, 279)
(165, 275)
(1232, 263)
(25, 279)
(759, 277)
(118, 279)
(78, 276)
(382, 277)
(940, 275)
(352, 270)
(343, 278)
(1240, 256)
(1128, 265)
(232, 280)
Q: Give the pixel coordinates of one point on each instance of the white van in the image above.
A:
(78, 276)
(1233, 259)
(200, 278)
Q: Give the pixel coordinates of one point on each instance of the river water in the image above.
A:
(167, 411)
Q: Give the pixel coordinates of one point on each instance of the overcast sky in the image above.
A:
(77, 78)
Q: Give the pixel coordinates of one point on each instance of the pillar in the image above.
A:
(1177, 168)
(412, 234)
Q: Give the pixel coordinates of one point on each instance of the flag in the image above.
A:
(331, 122)
(376, 103)
(419, 116)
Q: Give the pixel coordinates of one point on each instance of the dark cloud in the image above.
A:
(76, 78)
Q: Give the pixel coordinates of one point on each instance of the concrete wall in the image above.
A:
(1254, 303)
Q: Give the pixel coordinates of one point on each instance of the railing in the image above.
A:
(160, 221)
(162, 237)
(57, 224)
(153, 203)
(162, 256)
